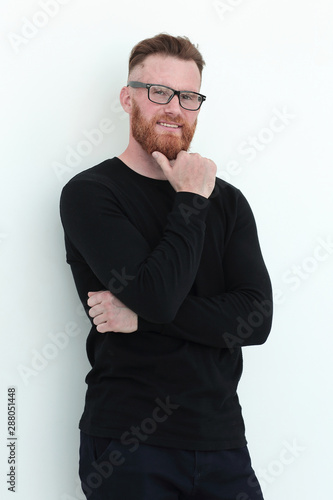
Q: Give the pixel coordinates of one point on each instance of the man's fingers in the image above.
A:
(92, 301)
(97, 297)
(95, 311)
(109, 314)
(103, 328)
(99, 320)
(162, 161)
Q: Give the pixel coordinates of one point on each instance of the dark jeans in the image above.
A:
(110, 470)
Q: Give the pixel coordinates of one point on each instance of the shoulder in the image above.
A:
(102, 172)
(93, 187)
(229, 195)
(99, 178)
(231, 205)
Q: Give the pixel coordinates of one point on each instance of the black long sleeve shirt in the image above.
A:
(192, 270)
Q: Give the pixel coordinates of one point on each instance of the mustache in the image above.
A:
(166, 119)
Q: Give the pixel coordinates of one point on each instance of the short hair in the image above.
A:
(168, 45)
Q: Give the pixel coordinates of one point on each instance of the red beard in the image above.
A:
(144, 132)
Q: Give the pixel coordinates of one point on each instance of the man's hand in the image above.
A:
(189, 172)
(111, 315)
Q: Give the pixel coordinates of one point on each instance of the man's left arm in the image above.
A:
(242, 315)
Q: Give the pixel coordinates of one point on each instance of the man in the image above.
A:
(169, 258)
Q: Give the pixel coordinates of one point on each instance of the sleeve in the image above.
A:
(151, 282)
(240, 316)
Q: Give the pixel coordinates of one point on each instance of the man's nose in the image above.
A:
(173, 106)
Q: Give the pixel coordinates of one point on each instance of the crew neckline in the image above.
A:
(137, 174)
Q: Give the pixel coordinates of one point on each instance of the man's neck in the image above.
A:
(141, 162)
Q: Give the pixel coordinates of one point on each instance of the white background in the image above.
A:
(61, 74)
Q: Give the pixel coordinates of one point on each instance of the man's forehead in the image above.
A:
(167, 70)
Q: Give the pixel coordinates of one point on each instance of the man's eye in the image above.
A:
(158, 91)
(188, 97)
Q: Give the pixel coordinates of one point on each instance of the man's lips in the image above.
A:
(169, 125)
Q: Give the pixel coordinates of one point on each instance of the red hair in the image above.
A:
(168, 45)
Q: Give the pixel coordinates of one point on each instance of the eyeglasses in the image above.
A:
(160, 94)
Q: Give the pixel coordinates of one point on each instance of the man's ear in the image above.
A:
(125, 100)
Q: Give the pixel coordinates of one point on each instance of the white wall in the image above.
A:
(59, 81)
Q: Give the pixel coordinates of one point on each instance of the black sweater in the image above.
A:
(192, 270)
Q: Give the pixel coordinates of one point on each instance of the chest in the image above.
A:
(148, 210)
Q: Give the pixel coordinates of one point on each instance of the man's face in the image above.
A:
(167, 128)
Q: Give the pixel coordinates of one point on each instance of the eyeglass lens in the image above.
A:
(161, 95)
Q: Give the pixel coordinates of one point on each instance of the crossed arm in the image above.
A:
(216, 320)
(239, 317)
